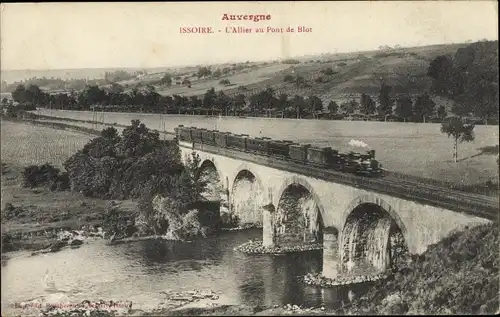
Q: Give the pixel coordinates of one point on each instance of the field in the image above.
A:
(244, 78)
(414, 148)
(25, 144)
(42, 210)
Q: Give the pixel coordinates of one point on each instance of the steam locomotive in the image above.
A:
(326, 157)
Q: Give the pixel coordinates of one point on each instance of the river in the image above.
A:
(140, 271)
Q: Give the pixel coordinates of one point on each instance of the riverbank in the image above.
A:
(33, 218)
(458, 275)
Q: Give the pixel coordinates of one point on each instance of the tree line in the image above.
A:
(469, 79)
(219, 103)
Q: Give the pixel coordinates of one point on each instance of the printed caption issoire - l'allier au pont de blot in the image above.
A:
(244, 29)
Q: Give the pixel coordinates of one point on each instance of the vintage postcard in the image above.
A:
(249, 158)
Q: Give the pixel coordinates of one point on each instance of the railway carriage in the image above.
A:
(278, 148)
(221, 139)
(262, 145)
(196, 135)
(235, 141)
(298, 152)
(320, 156)
(326, 157)
(208, 137)
(253, 145)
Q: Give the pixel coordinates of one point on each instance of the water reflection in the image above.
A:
(274, 280)
(140, 271)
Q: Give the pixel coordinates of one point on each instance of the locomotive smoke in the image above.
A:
(357, 143)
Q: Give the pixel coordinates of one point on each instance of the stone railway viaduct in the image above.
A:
(355, 222)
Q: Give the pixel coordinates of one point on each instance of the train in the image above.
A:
(363, 164)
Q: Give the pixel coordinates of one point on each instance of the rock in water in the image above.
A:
(76, 242)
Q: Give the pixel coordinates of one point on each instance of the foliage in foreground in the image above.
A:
(138, 165)
(458, 275)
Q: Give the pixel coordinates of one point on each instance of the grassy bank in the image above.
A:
(37, 214)
(32, 217)
(458, 275)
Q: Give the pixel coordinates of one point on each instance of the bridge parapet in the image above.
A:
(478, 205)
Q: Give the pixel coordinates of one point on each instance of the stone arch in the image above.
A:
(210, 160)
(247, 167)
(375, 200)
(211, 172)
(373, 236)
(248, 196)
(294, 220)
(298, 180)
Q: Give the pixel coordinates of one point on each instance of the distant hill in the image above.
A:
(349, 74)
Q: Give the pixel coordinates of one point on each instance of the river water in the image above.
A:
(140, 271)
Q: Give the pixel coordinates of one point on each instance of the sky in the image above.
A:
(143, 35)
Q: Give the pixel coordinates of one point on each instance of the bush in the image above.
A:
(224, 82)
(12, 212)
(34, 175)
(117, 222)
(328, 71)
(290, 61)
(181, 224)
(319, 80)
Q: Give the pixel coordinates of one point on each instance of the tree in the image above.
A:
(204, 72)
(333, 107)
(441, 112)
(460, 108)
(327, 71)
(368, 105)
(404, 108)
(441, 71)
(385, 100)
(166, 80)
(19, 94)
(460, 132)
(223, 101)
(298, 103)
(217, 73)
(315, 104)
(209, 99)
(151, 97)
(282, 102)
(349, 107)
(424, 106)
(239, 101)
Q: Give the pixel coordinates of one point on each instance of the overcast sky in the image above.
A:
(94, 35)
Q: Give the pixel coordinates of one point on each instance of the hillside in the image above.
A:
(458, 275)
(353, 74)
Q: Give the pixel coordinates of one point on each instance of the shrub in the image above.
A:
(224, 82)
(182, 224)
(35, 175)
(117, 222)
(12, 212)
(327, 71)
